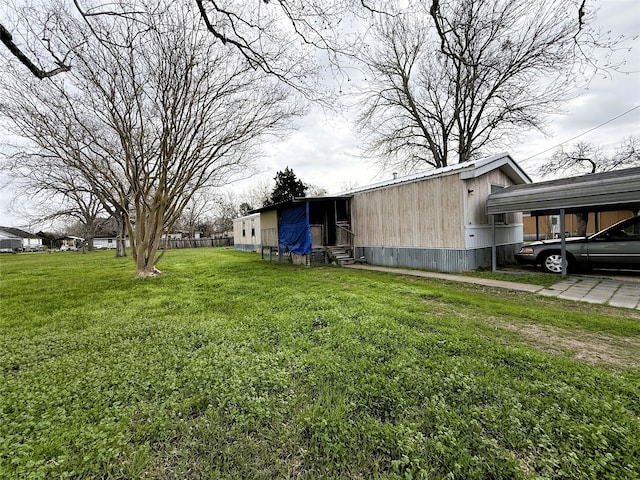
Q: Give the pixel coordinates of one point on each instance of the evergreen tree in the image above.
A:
(287, 187)
(245, 207)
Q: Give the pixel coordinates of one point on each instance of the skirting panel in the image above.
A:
(246, 247)
(438, 259)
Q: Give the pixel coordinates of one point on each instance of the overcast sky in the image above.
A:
(324, 150)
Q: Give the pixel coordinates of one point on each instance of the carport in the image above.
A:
(596, 192)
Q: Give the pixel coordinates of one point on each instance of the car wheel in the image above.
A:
(552, 263)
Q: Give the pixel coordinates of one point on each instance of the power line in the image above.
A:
(583, 133)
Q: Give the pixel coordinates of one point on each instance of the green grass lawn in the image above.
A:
(231, 367)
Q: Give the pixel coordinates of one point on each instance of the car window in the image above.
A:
(627, 232)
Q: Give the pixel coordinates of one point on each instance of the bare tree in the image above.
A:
(277, 37)
(197, 211)
(256, 195)
(451, 79)
(150, 117)
(626, 154)
(316, 190)
(225, 210)
(582, 157)
(54, 193)
(292, 41)
(585, 157)
(7, 39)
(86, 211)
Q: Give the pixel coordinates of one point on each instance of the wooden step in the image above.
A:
(339, 255)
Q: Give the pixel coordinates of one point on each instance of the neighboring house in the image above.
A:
(70, 243)
(182, 234)
(28, 241)
(246, 233)
(434, 220)
(172, 236)
(107, 242)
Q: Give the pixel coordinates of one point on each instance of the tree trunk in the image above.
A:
(90, 225)
(121, 237)
(582, 219)
(121, 247)
(146, 235)
(148, 272)
(145, 261)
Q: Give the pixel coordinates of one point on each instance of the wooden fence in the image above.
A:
(199, 242)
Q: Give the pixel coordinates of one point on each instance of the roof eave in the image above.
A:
(502, 161)
(295, 200)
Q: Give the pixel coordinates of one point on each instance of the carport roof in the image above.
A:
(615, 190)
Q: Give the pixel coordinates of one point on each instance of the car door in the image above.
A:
(616, 247)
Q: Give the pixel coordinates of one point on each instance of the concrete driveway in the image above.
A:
(614, 291)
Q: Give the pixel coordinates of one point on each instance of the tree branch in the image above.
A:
(7, 39)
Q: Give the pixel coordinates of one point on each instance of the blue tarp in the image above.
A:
(294, 234)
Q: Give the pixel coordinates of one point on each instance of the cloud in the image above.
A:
(323, 152)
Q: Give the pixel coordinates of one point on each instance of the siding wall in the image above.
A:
(438, 223)
(250, 224)
(434, 213)
(269, 226)
(419, 214)
(31, 242)
(478, 236)
(476, 203)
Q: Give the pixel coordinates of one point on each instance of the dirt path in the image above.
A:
(593, 348)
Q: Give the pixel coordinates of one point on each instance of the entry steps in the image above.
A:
(341, 255)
